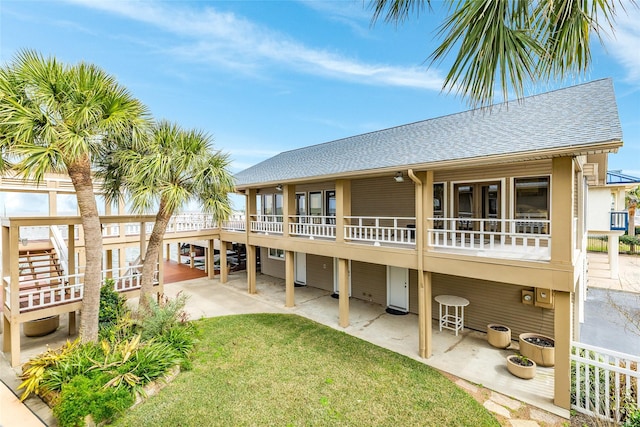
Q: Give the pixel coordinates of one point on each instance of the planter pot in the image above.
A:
(516, 368)
(541, 351)
(41, 327)
(498, 336)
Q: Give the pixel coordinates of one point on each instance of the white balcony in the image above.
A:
(381, 230)
(526, 239)
(313, 226)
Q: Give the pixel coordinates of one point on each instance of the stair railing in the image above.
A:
(61, 249)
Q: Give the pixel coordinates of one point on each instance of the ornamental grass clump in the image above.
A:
(103, 379)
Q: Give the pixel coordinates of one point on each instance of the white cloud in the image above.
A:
(625, 44)
(228, 40)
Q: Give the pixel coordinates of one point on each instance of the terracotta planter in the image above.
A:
(541, 354)
(498, 336)
(41, 327)
(519, 370)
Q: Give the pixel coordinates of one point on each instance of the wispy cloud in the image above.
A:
(625, 42)
(226, 39)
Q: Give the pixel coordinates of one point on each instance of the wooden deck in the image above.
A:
(175, 272)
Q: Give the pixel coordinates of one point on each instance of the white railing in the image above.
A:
(128, 278)
(506, 235)
(60, 247)
(41, 293)
(234, 225)
(191, 222)
(312, 226)
(266, 224)
(395, 230)
(604, 382)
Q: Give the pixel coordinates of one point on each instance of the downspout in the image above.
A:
(420, 248)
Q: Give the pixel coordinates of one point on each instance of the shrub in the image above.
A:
(112, 308)
(160, 316)
(84, 396)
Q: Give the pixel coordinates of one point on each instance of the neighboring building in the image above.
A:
(489, 205)
(607, 214)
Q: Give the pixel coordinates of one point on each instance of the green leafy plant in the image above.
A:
(160, 316)
(35, 370)
(84, 396)
(112, 308)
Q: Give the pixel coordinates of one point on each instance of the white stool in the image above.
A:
(453, 321)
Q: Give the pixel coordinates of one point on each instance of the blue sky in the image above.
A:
(267, 76)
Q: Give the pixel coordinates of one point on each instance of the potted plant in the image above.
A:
(41, 327)
(498, 336)
(539, 348)
(521, 366)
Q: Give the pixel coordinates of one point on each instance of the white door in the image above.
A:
(300, 268)
(398, 288)
(336, 284)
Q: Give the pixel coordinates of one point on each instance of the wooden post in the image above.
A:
(251, 269)
(343, 207)
(562, 336)
(224, 270)
(343, 287)
(289, 279)
(211, 268)
(424, 315)
(72, 262)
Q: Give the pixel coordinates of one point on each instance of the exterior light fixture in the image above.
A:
(279, 187)
(398, 177)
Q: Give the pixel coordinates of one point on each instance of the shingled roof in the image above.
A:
(579, 116)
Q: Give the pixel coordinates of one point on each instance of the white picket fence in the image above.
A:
(603, 382)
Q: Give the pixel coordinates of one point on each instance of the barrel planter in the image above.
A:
(498, 336)
(41, 327)
(521, 367)
(539, 348)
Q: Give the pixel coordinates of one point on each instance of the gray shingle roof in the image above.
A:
(579, 115)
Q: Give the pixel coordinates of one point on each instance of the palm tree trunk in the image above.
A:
(151, 256)
(80, 173)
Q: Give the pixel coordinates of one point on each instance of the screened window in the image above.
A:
(532, 198)
(276, 253)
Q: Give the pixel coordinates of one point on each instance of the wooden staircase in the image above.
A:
(37, 264)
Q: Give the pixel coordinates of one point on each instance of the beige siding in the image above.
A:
(270, 266)
(369, 282)
(382, 196)
(541, 167)
(492, 302)
(320, 272)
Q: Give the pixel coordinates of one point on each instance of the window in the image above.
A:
(438, 205)
(276, 254)
(268, 204)
(315, 206)
(331, 206)
(532, 198)
(532, 203)
(278, 209)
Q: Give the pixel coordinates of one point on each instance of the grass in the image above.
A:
(285, 370)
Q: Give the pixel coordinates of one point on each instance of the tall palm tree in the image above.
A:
(172, 168)
(509, 42)
(54, 118)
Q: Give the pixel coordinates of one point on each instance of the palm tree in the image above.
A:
(54, 118)
(173, 167)
(632, 199)
(509, 42)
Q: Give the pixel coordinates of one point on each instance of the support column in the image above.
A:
(12, 328)
(224, 270)
(289, 279)
(425, 315)
(288, 207)
(343, 287)
(143, 240)
(562, 336)
(210, 262)
(562, 196)
(109, 263)
(251, 269)
(160, 275)
(343, 207)
(192, 263)
(612, 249)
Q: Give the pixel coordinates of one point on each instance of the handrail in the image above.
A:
(60, 247)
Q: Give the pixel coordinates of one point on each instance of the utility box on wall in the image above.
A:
(543, 298)
(527, 296)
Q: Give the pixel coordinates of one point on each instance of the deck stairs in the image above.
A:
(39, 264)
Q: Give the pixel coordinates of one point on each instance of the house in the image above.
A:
(606, 213)
(488, 205)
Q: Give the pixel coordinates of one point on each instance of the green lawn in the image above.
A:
(285, 370)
